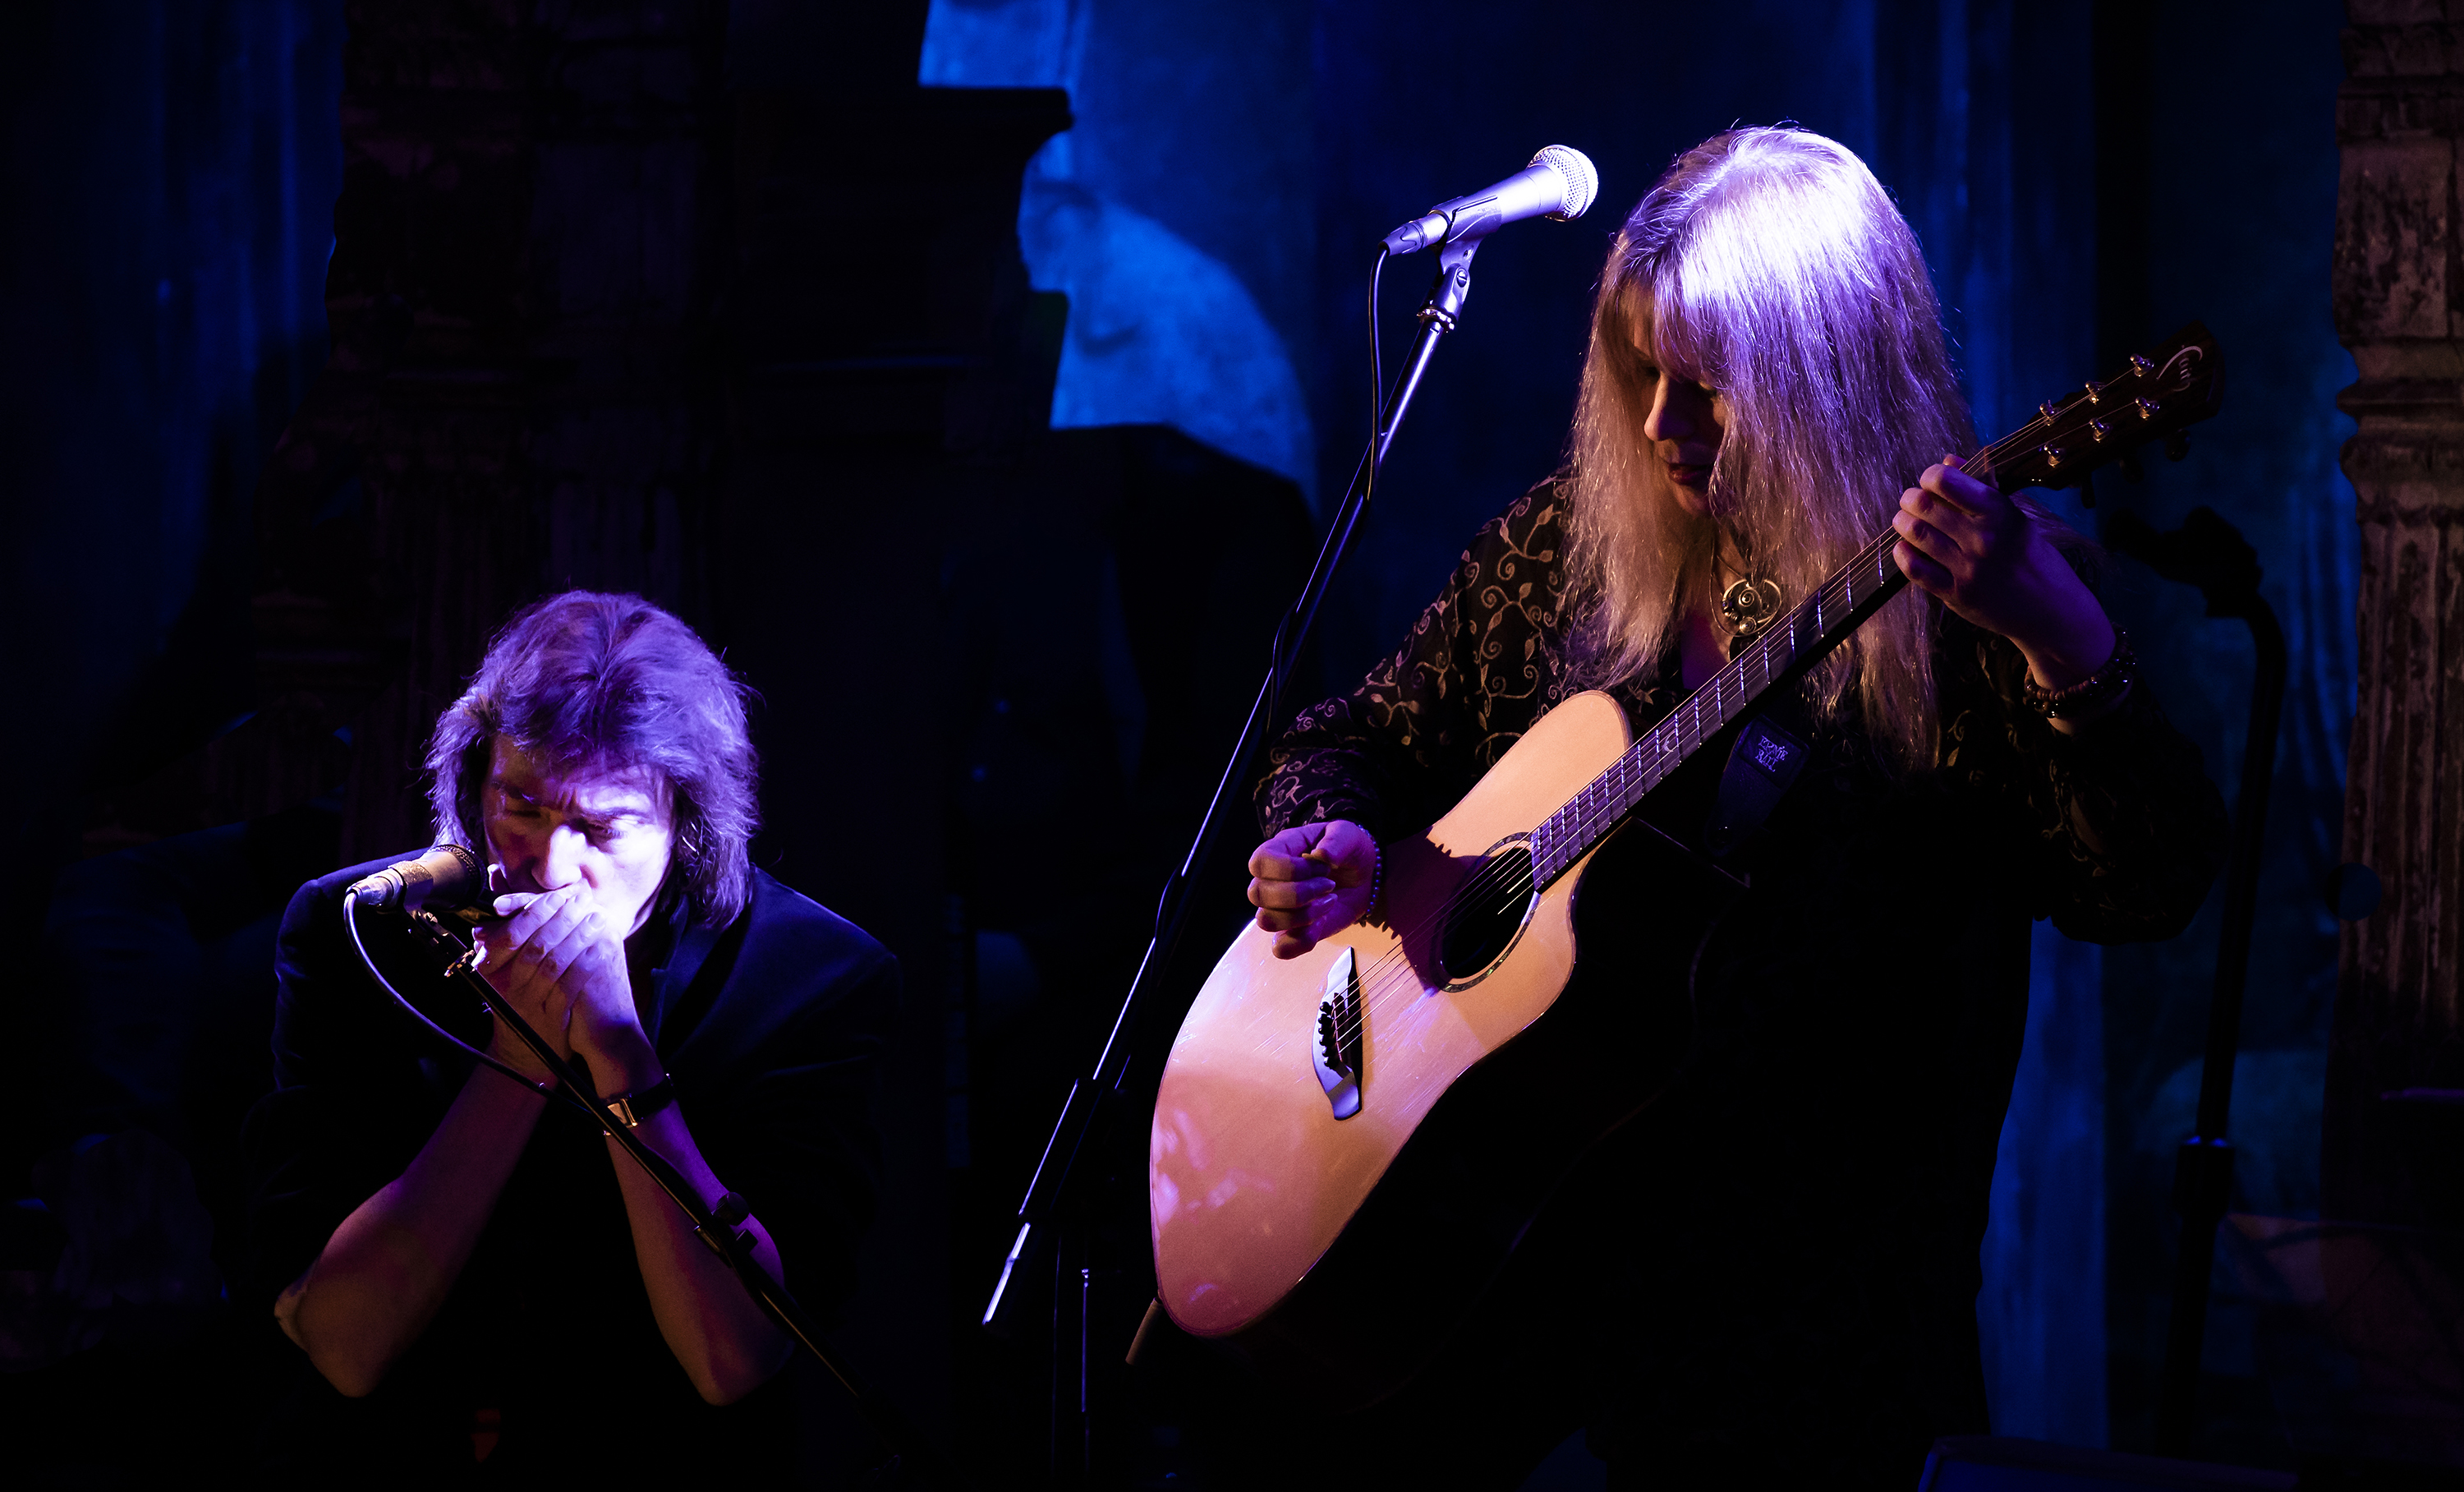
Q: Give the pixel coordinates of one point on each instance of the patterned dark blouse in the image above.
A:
(1779, 1259)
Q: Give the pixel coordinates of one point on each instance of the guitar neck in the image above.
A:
(2154, 397)
(1777, 657)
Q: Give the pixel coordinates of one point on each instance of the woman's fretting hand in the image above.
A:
(1981, 555)
(1313, 881)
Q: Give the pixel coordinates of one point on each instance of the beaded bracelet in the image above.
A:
(2098, 688)
(1376, 878)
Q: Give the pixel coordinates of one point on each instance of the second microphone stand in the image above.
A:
(2209, 553)
(1042, 1206)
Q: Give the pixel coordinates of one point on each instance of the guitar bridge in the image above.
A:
(1335, 1046)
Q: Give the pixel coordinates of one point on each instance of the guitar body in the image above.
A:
(1336, 1252)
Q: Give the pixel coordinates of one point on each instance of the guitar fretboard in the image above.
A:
(1779, 655)
(2176, 385)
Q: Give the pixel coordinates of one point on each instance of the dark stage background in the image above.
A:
(330, 332)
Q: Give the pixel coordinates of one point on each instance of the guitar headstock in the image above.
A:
(2159, 394)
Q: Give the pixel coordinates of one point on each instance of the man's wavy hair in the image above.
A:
(588, 679)
(1772, 264)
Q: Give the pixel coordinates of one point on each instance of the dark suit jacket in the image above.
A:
(546, 1350)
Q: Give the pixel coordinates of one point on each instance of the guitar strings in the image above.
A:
(1600, 804)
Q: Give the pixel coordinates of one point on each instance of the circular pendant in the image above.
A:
(1749, 606)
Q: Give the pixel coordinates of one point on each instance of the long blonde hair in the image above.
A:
(1772, 262)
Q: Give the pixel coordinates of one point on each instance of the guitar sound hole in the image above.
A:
(1486, 914)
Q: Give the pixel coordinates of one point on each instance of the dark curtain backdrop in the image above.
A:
(172, 170)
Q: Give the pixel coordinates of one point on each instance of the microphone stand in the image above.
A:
(715, 1227)
(1051, 1186)
(2209, 553)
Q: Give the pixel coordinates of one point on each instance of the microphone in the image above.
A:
(1560, 183)
(448, 875)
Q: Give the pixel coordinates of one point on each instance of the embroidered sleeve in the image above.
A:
(2127, 831)
(1478, 667)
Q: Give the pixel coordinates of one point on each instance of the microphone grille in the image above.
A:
(1582, 180)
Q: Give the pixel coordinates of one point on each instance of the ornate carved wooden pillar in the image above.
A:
(2399, 305)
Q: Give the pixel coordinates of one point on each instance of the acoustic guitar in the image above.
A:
(1347, 1146)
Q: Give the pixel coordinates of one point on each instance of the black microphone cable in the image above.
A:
(559, 1091)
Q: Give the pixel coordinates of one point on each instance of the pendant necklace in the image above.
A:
(1750, 603)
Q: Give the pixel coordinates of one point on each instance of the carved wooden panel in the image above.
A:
(2399, 273)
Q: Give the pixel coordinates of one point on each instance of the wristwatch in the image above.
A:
(630, 1109)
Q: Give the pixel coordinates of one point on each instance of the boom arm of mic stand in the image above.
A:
(1086, 1095)
(719, 1234)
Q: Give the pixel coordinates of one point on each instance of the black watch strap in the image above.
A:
(630, 1109)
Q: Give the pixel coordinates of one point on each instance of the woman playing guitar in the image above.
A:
(1769, 1276)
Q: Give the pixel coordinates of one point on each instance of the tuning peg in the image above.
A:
(2129, 466)
(2177, 445)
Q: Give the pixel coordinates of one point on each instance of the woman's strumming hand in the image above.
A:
(1313, 881)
